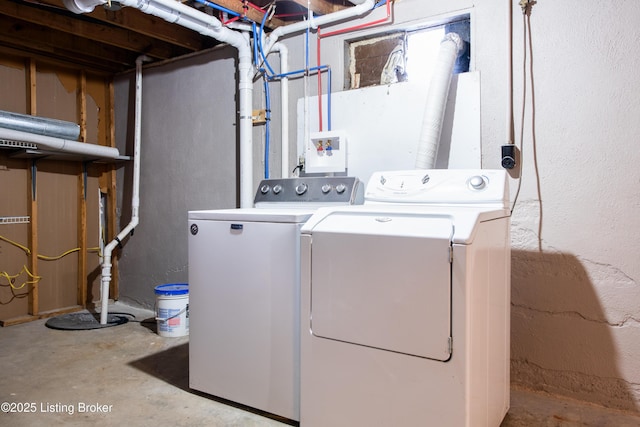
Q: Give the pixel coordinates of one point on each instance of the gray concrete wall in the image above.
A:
(188, 161)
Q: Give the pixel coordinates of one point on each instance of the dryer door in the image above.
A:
(383, 281)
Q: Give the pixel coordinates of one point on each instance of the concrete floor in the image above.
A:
(129, 375)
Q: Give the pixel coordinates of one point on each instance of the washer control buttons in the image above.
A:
(340, 188)
(277, 189)
(264, 188)
(326, 188)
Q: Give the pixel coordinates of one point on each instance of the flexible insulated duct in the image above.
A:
(437, 102)
(39, 125)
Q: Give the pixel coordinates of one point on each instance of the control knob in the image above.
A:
(301, 189)
(340, 188)
(277, 189)
(326, 188)
(264, 189)
(477, 182)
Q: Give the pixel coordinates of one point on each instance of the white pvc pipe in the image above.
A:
(284, 113)
(135, 199)
(437, 102)
(59, 144)
(188, 17)
(245, 96)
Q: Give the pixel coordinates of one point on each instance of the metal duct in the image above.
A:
(40, 125)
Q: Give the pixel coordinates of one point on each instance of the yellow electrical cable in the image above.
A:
(33, 278)
(11, 279)
(45, 257)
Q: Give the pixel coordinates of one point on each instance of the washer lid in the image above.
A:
(287, 215)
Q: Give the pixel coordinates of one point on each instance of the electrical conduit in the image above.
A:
(437, 102)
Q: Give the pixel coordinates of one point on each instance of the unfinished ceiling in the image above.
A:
(109, 39)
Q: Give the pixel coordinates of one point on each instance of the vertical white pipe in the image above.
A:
(437, 102)
(135, 198)
(284, 107)
(245, 91)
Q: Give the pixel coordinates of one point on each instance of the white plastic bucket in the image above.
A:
(172, 309)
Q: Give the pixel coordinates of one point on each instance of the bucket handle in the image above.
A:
(162, 319)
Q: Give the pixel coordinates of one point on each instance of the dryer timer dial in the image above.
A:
(477, 182)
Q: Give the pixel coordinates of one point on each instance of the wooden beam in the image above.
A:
(33, 305)
(140, 22)
(44, 315)
(321, 7)
(107, 34)
(81, 94)
(40, 40)
(112, 199)
(43, 58)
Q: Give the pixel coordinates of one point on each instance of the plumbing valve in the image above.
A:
(328, 148)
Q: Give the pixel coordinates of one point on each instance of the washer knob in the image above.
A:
(326, 188)
(340, 188)
(277, 189)
(301, 189)
(264, 189)
(477, 182)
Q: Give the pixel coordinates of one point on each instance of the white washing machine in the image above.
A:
(406, 302)
(244, 292)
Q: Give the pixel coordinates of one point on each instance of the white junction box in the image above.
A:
(326, 152)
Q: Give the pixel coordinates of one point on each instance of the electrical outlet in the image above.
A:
(508, 156)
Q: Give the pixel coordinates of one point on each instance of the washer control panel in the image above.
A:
(317, 190)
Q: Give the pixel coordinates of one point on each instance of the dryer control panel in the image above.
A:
(439, 186)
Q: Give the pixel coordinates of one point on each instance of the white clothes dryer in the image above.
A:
(406, 302)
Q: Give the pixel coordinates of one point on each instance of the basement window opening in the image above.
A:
(407, 55)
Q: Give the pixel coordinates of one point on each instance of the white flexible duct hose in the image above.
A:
(437, 102)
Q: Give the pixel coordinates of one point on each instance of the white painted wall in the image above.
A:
(575, 310)
(575, 228)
